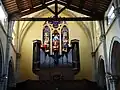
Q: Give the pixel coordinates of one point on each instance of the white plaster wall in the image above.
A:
(111, 31)
(114, 31)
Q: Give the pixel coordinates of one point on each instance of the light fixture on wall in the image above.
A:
(3, 77)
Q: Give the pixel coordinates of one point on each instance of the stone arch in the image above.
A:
(101, 73)
(114, 42)
(1, 58)
(114, 58)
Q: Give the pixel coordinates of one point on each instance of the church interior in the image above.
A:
(59, 44)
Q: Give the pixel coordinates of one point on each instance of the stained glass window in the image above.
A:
(55, 40)
(64, 38)
(46, 38)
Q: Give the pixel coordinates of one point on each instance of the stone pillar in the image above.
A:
(103, 40)
(6, 66)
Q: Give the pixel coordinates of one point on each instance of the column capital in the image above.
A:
(93, 54)
(18, 55)
(102, 37)
(9, 39)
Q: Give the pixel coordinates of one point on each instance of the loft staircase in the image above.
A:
(57, 85)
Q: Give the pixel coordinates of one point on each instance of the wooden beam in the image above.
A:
(30, 4)
(18, 4)
(56, 8)
(43, 2)
(51, 10)
(61, 10)
(74, 8)
(17, 15)
(69, 2)
(82, 2)
(59, 19)
(95, 7)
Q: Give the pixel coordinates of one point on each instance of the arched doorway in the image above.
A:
(101, 73)
(11, 78)
(115, 58)
(115, 61)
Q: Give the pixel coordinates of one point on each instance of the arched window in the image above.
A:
(115, 56)
(46, 38)
(55, 40)
(2, 15)
(111, 14)
(64, 38)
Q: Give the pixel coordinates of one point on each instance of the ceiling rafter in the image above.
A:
(50, 10)
(69, 2)
(82, 2)
(83, 11)
(93, 8)
(43, 2)
(56, 12)
(61, 10)
(56, 8)
(19, 15)
(30, 4)
(18, 4)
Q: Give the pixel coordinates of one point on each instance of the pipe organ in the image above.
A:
(55, 50)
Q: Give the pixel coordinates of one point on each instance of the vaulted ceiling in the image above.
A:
(92, 8)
